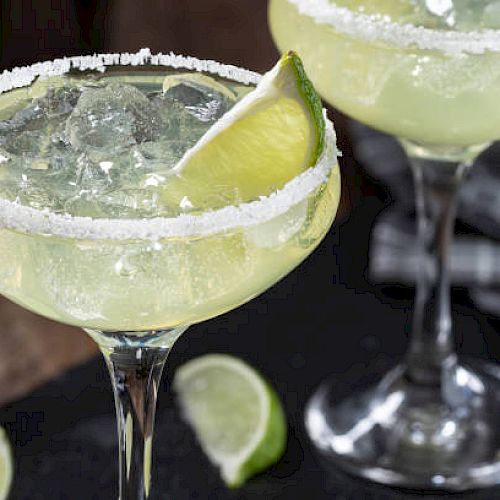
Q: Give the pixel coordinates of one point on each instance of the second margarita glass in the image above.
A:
(428, 73)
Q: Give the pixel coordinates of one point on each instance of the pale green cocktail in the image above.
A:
(428, 72)
(143, 193)
(444, 95)
(132, 284)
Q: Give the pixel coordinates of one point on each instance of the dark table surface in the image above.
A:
(323, 318)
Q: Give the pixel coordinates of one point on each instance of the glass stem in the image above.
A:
(135, 375)
(431, 352)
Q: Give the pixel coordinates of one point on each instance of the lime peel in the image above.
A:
(312, 101)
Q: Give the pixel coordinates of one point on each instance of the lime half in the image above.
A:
(6, 465)
(270, 136)
(236, 415)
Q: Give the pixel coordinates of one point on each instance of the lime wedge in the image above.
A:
(270, 136)
(6, 465)
(236, 415)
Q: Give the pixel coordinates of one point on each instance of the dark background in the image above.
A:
(325, 317)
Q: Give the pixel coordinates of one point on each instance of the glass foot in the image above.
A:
(400, 433)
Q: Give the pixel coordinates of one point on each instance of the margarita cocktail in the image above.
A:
(165, 277)
(369, 71)
(428, 72)
(140, 194)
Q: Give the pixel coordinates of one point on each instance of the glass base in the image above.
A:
(399, 433)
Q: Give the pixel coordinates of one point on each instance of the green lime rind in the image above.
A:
(270, 450)
(312, 100)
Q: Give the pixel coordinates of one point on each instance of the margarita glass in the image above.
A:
(133, 276)
(427, 72)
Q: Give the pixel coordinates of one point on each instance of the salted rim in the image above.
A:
(34, 221)
(370, 28)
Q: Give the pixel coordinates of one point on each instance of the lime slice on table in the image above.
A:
(6, 465)
(236, 415)
(270, 136)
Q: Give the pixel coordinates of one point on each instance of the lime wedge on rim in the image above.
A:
(6, 465)
(270, 136)
(236, 415)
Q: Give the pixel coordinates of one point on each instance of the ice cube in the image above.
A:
(203, 102)
(56, 102)
(132, 203)
(25, 186)
(91, 182)
(94, 177)
(161, 156)
(127, 185)
(111, 118)
(33, 143)
(189, 108)
(59, 102)
(37, 131)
